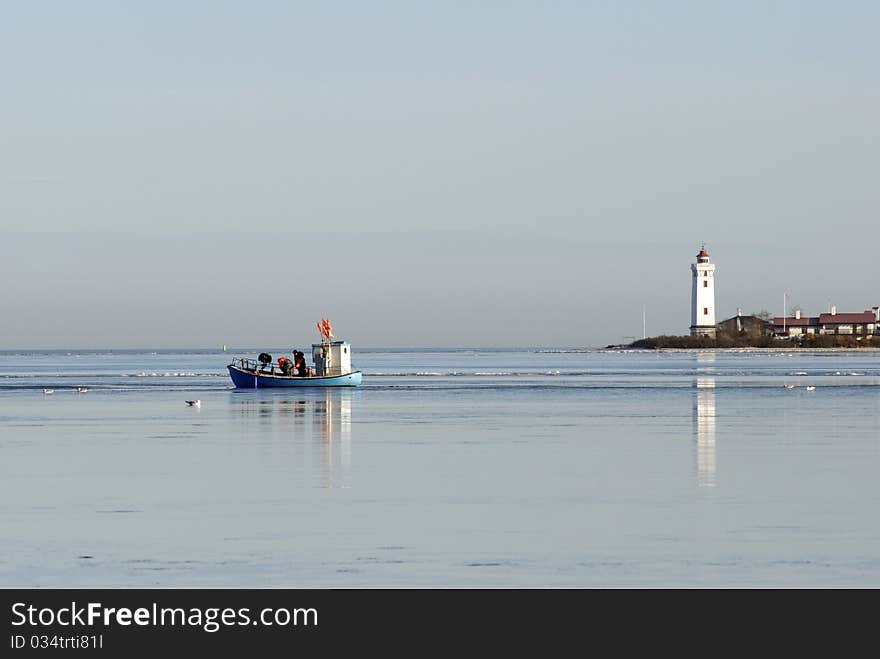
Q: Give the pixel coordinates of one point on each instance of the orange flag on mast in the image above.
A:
(325, 328)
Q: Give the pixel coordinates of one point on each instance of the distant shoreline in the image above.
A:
(68, 352)
(743, 349)
(804, 349)
(763, 342)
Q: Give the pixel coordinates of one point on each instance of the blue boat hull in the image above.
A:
(243, 379)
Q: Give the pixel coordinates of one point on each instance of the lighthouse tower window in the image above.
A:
(705, 311)
(705, 283)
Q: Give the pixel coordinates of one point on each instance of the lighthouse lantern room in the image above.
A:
(703, 296)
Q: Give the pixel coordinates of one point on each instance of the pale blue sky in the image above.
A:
(429, 173)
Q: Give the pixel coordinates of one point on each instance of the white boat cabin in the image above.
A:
(332, 358)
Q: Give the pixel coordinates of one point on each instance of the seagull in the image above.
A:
(82, 390)
(48, 391)
(811, 388)
(789, 386)
(194, 403)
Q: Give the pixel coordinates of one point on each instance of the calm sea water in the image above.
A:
(471, 468)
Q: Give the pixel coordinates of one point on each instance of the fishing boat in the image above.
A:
(331, 367)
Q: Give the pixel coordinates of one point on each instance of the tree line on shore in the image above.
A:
(744, 341)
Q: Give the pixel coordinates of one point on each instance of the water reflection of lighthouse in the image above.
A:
(704, 429)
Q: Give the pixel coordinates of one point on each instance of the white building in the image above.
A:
(703, 296)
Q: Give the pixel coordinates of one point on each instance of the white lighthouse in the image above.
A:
(703, 296)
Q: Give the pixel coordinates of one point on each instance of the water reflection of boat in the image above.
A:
(704, 429)
(307, 425)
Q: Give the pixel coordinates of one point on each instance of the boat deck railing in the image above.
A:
(251, 364)
(254, 366)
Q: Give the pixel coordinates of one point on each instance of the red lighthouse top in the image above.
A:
(703, 253)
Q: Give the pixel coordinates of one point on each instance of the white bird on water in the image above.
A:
(82, 390)
(48, 391)
(811, 388)
(194, 403)
(789, 386)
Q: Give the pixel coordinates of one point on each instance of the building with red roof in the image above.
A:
(863, 323)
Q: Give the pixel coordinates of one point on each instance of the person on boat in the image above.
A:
(285, 365)
(299, 363)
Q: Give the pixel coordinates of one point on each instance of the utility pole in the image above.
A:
(784, 295)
